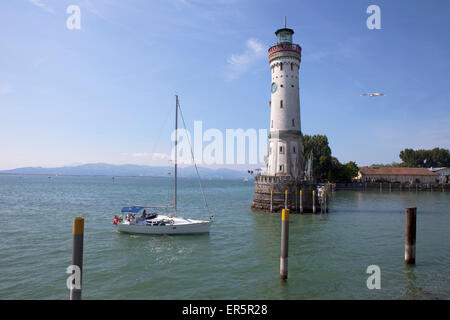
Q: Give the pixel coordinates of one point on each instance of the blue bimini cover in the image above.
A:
(132, 209)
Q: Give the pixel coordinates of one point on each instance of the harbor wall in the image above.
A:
(264, 201)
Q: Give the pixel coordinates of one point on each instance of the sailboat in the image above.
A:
(138, 221)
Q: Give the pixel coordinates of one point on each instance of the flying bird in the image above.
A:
(373, 94)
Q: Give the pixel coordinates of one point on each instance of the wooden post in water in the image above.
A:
(286, 199)
(271, 200)
(322, 210)
(320, 198)
(301, 201)
(416, 187)
(314, 201)
(390, 187)
(296, 200)
(381, 186)
(410, 236)
(326, 200)
(284, 244)
(77, 253)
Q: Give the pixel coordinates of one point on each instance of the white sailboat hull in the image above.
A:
(188, 228)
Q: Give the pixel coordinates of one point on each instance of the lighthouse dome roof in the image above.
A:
(285, 30)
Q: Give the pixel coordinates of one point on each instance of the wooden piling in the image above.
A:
(410, 236)
(301, 201)
(390, 187)
(314, 201)
(320, 198)
(284, 244)
(77, 253)
(286, 199)
(381, 186)
(271, 200)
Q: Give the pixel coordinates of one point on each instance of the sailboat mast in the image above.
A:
(176, 152)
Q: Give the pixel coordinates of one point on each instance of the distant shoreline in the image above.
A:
(129, 170)
(110, 176)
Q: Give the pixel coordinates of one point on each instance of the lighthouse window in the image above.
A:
(293, 122)
(281, 149)
(271, 124)
(281, 104)
(281, 85)
(293, 150)
(281, 66)
(281, 167)
(292, 68)
(292, 85)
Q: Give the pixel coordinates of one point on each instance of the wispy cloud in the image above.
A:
(238, 64)
(43, 6)
(154, 155)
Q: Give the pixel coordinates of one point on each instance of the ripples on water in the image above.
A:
(328, 254)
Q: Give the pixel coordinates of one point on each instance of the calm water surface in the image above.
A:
(328, 254)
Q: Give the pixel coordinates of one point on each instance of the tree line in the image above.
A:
(327, 167)
(434, 158)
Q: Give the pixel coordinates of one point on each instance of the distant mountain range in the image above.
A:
(104, 169)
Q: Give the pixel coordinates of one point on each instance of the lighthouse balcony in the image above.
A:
(285, 47)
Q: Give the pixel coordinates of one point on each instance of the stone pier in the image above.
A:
(279, 185)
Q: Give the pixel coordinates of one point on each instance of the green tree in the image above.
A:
(318, 145)
(342, 172)
(325, 166)
(421, 158)
(350, 170)
(391, 165)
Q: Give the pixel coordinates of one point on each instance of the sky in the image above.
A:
(106, 92)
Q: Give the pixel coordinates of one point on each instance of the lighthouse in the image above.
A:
(285, 141)
(284, 184)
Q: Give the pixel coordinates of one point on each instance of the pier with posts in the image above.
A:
(272, 194)
(392, 186)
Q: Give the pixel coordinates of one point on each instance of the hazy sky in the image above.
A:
(105, 93)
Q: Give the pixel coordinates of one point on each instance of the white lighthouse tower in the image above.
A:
(284, 185)
(285, 140)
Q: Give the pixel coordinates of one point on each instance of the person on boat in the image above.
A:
(144, 214)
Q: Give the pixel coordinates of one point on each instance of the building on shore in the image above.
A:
(394, 174)
(279, 187)
(444, 174)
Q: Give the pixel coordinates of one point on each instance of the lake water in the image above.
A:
(239, 259)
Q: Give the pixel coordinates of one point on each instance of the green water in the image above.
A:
(328, 254)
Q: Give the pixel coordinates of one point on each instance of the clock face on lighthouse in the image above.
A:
(274, 87)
